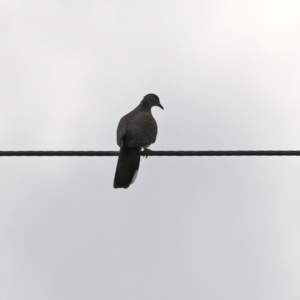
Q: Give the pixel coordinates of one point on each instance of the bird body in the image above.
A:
(136, 130)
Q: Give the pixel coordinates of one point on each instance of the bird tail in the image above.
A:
(127, 167)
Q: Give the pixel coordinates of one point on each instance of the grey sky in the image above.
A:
(227, 74)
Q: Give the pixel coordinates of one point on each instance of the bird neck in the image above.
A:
(145, 106)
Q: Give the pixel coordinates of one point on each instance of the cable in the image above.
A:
(158, 153)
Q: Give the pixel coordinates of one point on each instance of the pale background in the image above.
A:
(227, 73)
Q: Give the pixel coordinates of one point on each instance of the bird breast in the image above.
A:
(142, 130)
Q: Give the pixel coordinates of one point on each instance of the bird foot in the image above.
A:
(146, 152)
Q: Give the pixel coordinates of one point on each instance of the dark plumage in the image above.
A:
(136, 130)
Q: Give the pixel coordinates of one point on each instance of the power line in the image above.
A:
(158, 153)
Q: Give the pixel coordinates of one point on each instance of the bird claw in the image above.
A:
(146, 152)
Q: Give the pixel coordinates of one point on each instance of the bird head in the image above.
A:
(151, 100)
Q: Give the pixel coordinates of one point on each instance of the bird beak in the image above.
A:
(160, 106)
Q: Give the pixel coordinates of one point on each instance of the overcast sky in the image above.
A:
(227, 73)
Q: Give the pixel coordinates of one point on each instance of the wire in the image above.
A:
(158, 153)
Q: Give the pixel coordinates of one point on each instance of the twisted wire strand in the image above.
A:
(158, 153)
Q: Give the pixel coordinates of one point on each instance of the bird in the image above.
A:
(136, 130)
